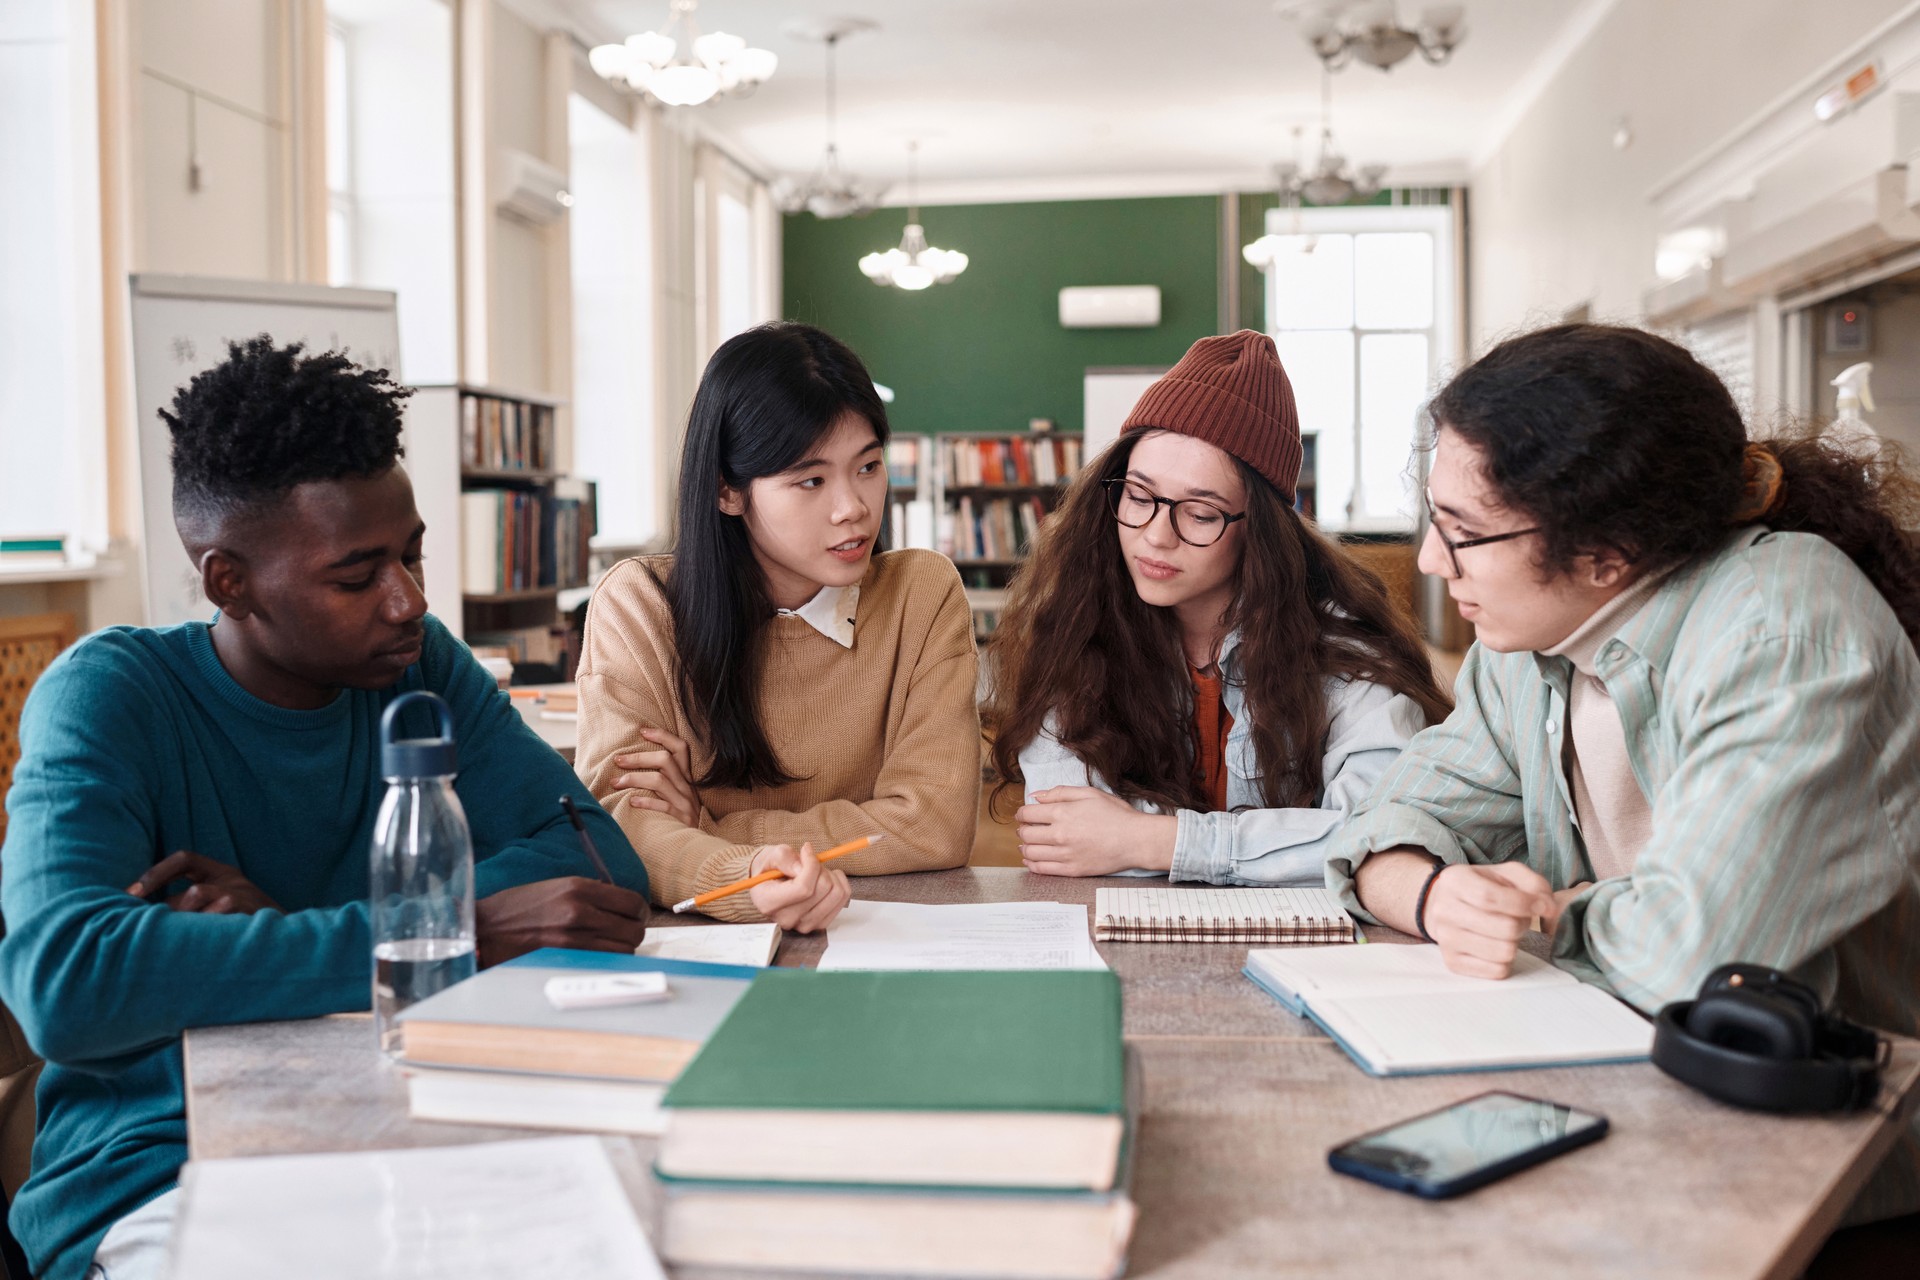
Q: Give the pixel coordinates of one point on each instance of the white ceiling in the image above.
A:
(1103, 96)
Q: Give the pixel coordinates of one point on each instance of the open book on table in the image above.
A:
(1398, 1010)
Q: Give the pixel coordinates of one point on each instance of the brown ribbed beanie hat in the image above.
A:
(1231, 392)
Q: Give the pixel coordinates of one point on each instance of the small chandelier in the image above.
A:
(656, 64)
(830, 192)
(915, 264)
(1263, 253)
(1332, 181)
(1370, 31)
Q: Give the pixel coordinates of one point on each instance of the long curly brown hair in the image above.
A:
(1077, 642)
(1615, 439)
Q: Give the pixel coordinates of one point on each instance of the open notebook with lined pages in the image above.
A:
(1308, 916)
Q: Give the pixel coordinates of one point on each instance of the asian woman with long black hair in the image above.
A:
(776, 686)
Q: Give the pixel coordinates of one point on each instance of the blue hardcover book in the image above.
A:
(501, 1019)
(1398, 1010)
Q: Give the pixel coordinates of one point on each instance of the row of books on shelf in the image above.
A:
(1029, 460)
(996, 528)
(505, 435)
(910, 523)
(526, 539)
(903, 462)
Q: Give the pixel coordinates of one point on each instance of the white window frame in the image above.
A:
(629, 483)
(1442, 333)
(342, 209)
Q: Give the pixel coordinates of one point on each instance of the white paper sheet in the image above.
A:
(748, 944)
(489, 1211)
(979, 935)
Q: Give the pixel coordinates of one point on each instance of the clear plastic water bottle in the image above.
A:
(421, 878)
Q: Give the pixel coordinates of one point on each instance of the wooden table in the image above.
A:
(1242, 1101)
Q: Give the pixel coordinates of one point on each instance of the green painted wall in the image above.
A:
(986, 352)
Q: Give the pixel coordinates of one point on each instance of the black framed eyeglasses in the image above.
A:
(1195, 522)
(1455, 548)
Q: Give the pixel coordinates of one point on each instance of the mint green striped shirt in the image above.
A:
(1771, 708)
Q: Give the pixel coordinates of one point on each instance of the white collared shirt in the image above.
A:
(831, 613)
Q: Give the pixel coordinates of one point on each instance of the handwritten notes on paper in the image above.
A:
(488, 1211)
(978, 935)
(744, 944)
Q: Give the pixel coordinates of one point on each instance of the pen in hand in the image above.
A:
(586, 841)
(728, 890)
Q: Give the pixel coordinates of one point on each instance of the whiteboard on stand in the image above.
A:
(1109, 396)
(181, 326)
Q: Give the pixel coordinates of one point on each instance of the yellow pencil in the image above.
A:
(728, 890)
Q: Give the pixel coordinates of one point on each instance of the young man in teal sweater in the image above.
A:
(190, 820)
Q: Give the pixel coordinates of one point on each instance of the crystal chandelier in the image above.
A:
(687, 71)
(1370, 30)
(830, 192)
(915, 264)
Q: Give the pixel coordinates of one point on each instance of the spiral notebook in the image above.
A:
(1301, 916)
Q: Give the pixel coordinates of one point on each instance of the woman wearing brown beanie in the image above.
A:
(1189, 678)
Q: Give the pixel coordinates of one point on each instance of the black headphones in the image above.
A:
(1757, 1038)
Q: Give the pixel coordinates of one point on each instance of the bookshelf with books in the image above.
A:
(910, 509)
(525, 527)
(995, 494)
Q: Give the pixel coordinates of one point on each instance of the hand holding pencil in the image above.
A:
(791, 887)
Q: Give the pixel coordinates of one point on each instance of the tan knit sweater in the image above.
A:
(884, 737)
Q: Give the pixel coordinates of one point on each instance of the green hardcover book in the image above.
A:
(905, 1231)
(1002, 1079)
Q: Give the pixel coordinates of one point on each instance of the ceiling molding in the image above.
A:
(1125, 186)
(1578, 30)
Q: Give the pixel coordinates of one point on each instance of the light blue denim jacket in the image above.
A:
(1247, 844)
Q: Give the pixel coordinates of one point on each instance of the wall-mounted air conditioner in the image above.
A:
(1837, 197)
(529, 188)
(1116, 306)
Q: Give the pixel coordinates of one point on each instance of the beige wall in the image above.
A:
(1559, 216)
(214, 89)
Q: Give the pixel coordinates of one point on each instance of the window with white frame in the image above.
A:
(1360, 303)
(340, 213)
(735, 265)
(390, 179)
(613, 388)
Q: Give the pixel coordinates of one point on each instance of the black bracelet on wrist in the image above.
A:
(1420, 903)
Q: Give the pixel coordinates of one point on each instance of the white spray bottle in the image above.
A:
(1850, 430)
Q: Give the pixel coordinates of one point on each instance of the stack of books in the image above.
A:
(495, 1050)
(36, 551)
(910, 1122)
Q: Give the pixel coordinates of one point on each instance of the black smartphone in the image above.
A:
(1466, 1145)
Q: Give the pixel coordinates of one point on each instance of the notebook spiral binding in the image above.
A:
(1309, 931)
